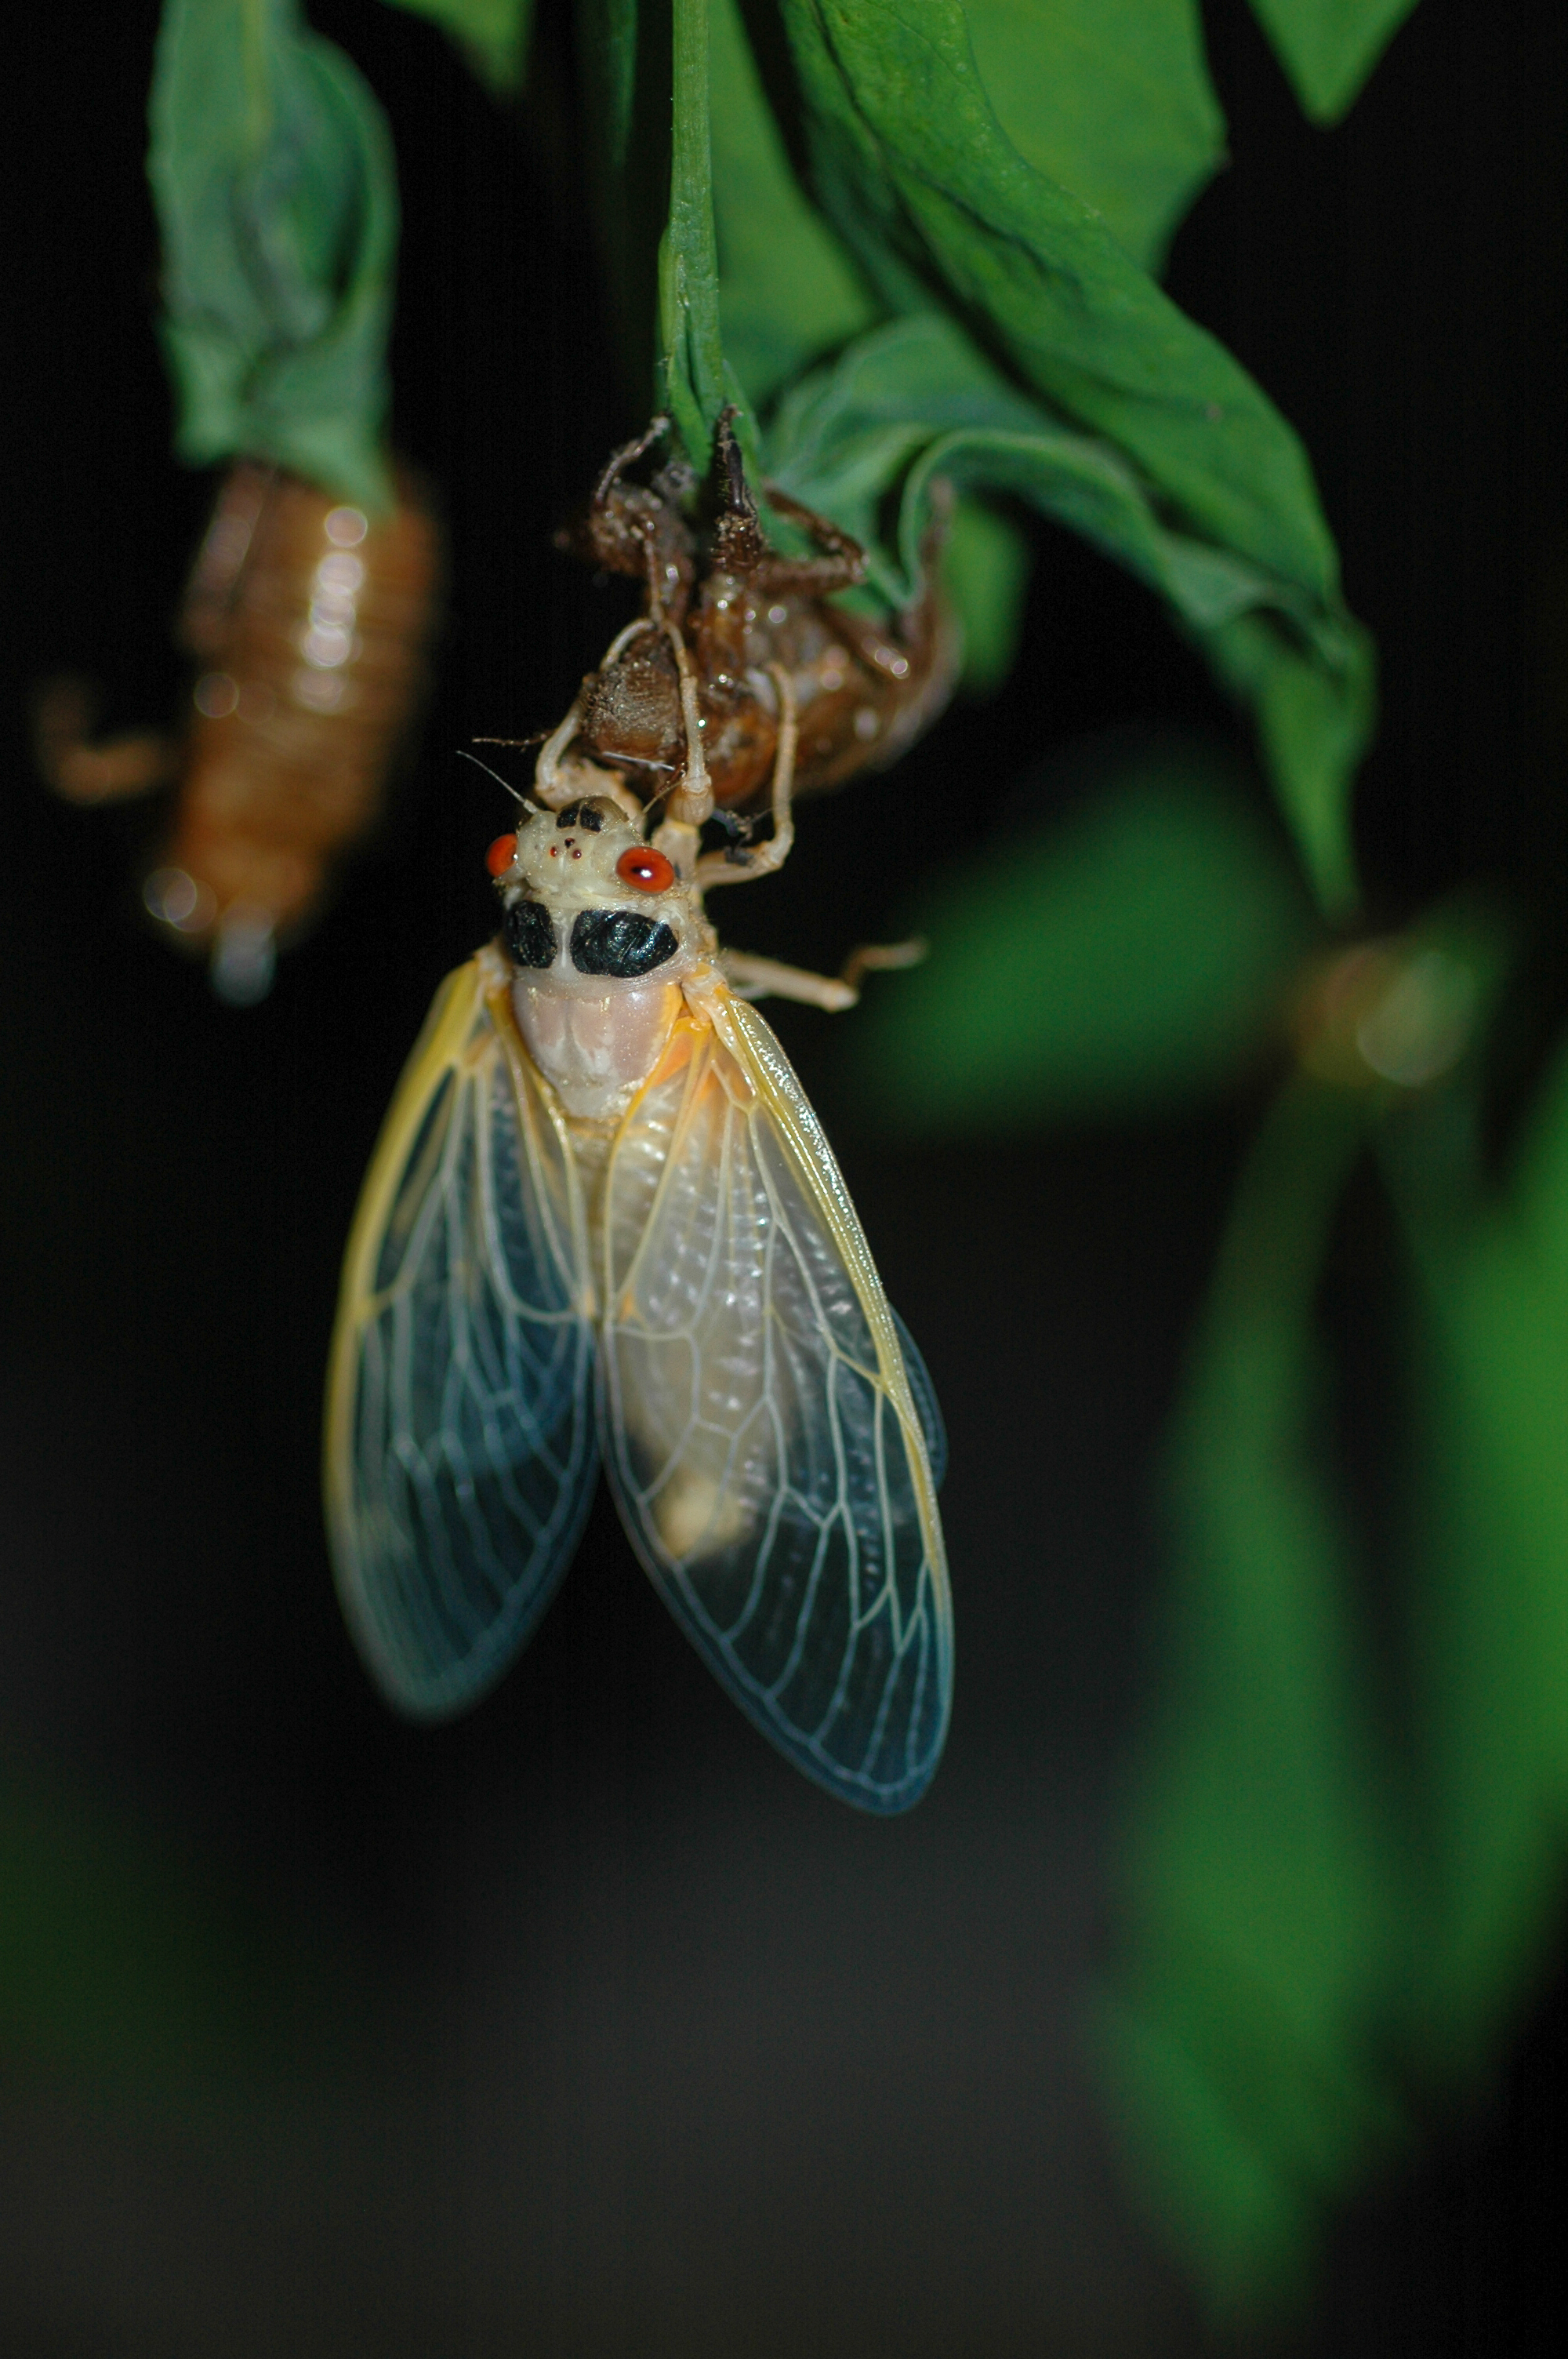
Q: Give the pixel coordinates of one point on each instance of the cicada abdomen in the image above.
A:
(861, 692)
(311, 624)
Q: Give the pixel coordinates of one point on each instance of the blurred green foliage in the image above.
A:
(788, 291)
(276, 194)
(1488, 1507)
(1135, 952)
(1262, 1899)
(492, 34)
(132, 1963)
(1329, 47)
(1341, 1853)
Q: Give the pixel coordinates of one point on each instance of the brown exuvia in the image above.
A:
(744, 613)
(310, 623)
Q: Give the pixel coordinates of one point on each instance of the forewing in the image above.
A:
(460, 1452)
(758, 1425)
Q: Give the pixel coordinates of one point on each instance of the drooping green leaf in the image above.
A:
(788, 292)
(916, 399)
(1262, 1899)
(922, 184)
(492, 34)
(1109, 98)
(985, 573)
(1489, 1642)
(1329, 47)
(1134, 954)
(276, 193)
(922, 176)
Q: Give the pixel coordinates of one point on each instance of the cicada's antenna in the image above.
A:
(727, 868)
(464, 755)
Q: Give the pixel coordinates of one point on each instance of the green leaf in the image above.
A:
(922, 175)
(1134, 954)
(1329, 47)
(492, 34)
(788, 292)
(1262, 1910)
(917, 174)
(916, 400)
(1490, 1670)
(276, 193)
(985, 573)
(1109, 98)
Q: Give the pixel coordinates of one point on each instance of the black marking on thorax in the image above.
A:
(530, 933)
(619, 943)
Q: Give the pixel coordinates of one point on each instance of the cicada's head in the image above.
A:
(582, 892)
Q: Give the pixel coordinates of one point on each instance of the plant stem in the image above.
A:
(688, 252)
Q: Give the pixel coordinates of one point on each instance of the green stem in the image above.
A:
(688, 252)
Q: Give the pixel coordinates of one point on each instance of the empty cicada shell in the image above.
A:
(744, 613)
(311, 624)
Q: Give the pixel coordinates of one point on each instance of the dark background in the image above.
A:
(585, 2026)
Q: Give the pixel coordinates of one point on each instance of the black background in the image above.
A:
(585, 2026)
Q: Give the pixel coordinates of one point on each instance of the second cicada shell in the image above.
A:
(312, 623)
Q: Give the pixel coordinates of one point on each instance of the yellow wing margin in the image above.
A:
(459, 1452)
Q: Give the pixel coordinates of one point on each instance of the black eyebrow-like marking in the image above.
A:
(619, 943)
(530, 933)
(581, 815)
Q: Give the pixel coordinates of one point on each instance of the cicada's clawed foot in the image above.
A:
(115, 769)
(764, 978)
(882, 958)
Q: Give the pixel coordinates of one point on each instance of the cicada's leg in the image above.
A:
(733, 867)
(763, 978)
(841, 566)
(691, 798)
(882, 958)
(547, 768)
(117, 769)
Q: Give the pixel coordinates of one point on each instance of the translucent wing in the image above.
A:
(758, 1425)
(460, 1452)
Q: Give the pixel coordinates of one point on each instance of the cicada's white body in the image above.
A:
(603, 1220)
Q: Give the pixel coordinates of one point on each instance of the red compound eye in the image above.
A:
(645, 868)
(502, 855)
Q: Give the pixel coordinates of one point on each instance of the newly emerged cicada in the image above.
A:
(603, 1221)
